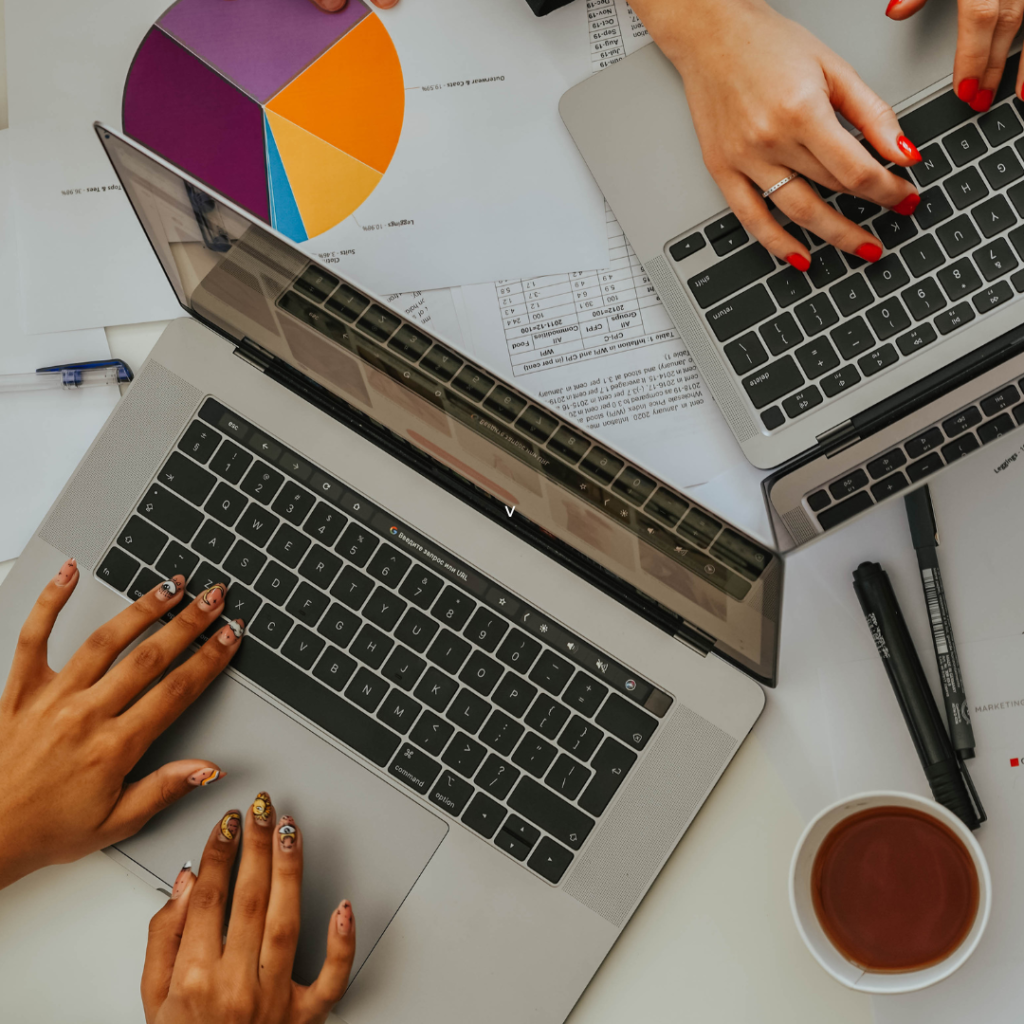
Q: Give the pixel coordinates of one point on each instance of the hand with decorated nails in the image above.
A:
(69, 738)
(196, 972)
(764, 93)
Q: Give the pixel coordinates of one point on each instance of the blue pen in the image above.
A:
(69, 377)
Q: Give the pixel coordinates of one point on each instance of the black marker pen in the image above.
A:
(944, 771)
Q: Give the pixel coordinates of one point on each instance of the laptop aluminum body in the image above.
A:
(632, 125)
(674, 612)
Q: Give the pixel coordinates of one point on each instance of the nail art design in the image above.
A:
(261, 808)
(344, 918)
(968, 87)
(908, 149)
(182, 880)
(230, 825)
(67, 573)
(233, 631)
(237, 626)
(286, 834)
(205, 776)
(166, 590)
(213, 596)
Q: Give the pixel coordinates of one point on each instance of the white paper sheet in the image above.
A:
(979, 506)
(485, 182)
(44, 434)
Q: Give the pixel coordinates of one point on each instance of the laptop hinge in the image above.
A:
(835, 433)
(253, 354)
(696, 639)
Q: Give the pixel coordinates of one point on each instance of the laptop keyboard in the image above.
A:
(477, 702)
(798, 340)
(925, 453)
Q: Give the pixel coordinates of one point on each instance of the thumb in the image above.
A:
(141, 800)
(899, 10)
(331, 982)
(866, 110)
(165, 931)
(331, 6)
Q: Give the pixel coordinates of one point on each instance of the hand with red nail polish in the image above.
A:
(333, 6)
(195, 973)
(985, 33)
(69, 738)
(764, 94)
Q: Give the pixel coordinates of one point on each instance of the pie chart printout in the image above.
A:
(289, 111)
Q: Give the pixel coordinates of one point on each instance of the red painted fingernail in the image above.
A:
(982, 100)
(870, 252)
(968, 87)
(907, 206)
(802, 263)
(908, 149)
(893, 4)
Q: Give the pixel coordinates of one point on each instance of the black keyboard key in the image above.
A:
(320, 567)
(1004, 399)
(293, 503)
(890, 485)
(325, 524)
(966, 188)
(994, 216)
(780, 334)
(816, 314)
(188, 479)
(262, 445)
(302, 647)
(453, 608)
(933, 166)
(118, 569)
(965, 145)
(256, 524)
(789, 286)
(290, 684)
(827, 265)
(226, 504)
(307, 604)
(723, 226)
(740, 312)
(339, 625)
(878, 359)
(472, 383)
(851, 295)
(550, 861)
(316, 283)
(888, 318)
(819, 500)
(602, 465)
(384, 608)
(958, 236)
(817, 357)
(798, 404)
(379, 323)
(933, 209)
(730, 275)
(388, 565)
(848, 484)
(481, 673)
(240, 603)
(205, 577)
(537, 423)
(409, 342)
(451, 793)
(746, 353)
(262, 482)
(923, 300)
(199, 441)
(356, 544)
(501, 733)
(887, 275)
(844, 510)
(416, 630)
(432, 733)
(585, 694)
(271, 625)
(1002, 168)
(441, 363)
(366, 689)
(996, 428)
(959, 280)
(963, 420)
(622, 718)
(580, 738)
(276, 583)
(176, 561)
(915, 339)
(483, 815)
(633, 485)
(551, 672)
(699, 528)
(894, 229)
(995, 259)
(551, 813)
(666, 508)
(212, 542)
(518, 651)
(570, 445)
(144, 541)
(953, 318)
(935, 118)
(922, 255)
(230, 462)
(840, 381)
(170, 513)
(497, 777)
(852, 338)
(687, 246)
(436, 689)
(547, 716)
(960, 447)
(403, 667)
(857, 210)
(773, 382)
(143, 584)
(468, 711)
(1000, 125)
(611, 764)
(887, 463)
(485, 629)
(371, 646)
(352, 587)
(514, 694)
(504, 404)
(420, 587)
(334, 668)
(567, 777)
(534, 754)
(448, 651)
(924, 467)
(463, 754)
(773, 418)
(999, 293)
(512, 844)
(923, 443)
(414, 768)
(1016, 196)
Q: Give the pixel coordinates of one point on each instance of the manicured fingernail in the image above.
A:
(214, 596)
(870, 252)
(908, 149)
(968, 87)
(182, 880)
(205, 776)
(893, 4)
(801, 263)
(287, 837)
(261, 809)
(344, 918)
(232, 632)
(230, 826)
(907, 206)
(67, 573)
(167, 590)
(982, 100)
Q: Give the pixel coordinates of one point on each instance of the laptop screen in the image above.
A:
(246, 281)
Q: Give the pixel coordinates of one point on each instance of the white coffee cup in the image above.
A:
(802, 903)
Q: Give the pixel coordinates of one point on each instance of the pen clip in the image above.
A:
(71, 373)
(982, 816)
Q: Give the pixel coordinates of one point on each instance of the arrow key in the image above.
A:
(484, 815)
(550, 860)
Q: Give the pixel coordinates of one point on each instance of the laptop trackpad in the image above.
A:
(363, 839)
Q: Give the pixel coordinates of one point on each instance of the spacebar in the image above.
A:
(336, 715)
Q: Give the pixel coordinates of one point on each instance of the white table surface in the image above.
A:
(712, 942)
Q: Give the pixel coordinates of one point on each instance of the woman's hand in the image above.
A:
(193, 973)
(986, 31)
(69, 738)
(763, 92)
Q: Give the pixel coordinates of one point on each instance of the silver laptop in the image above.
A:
(493, 669)
(857, 380)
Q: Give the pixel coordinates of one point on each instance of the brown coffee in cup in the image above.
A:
(894, 889)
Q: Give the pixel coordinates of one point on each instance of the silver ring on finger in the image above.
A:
(775, 188)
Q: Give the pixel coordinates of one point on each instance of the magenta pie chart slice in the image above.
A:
(182, 109)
